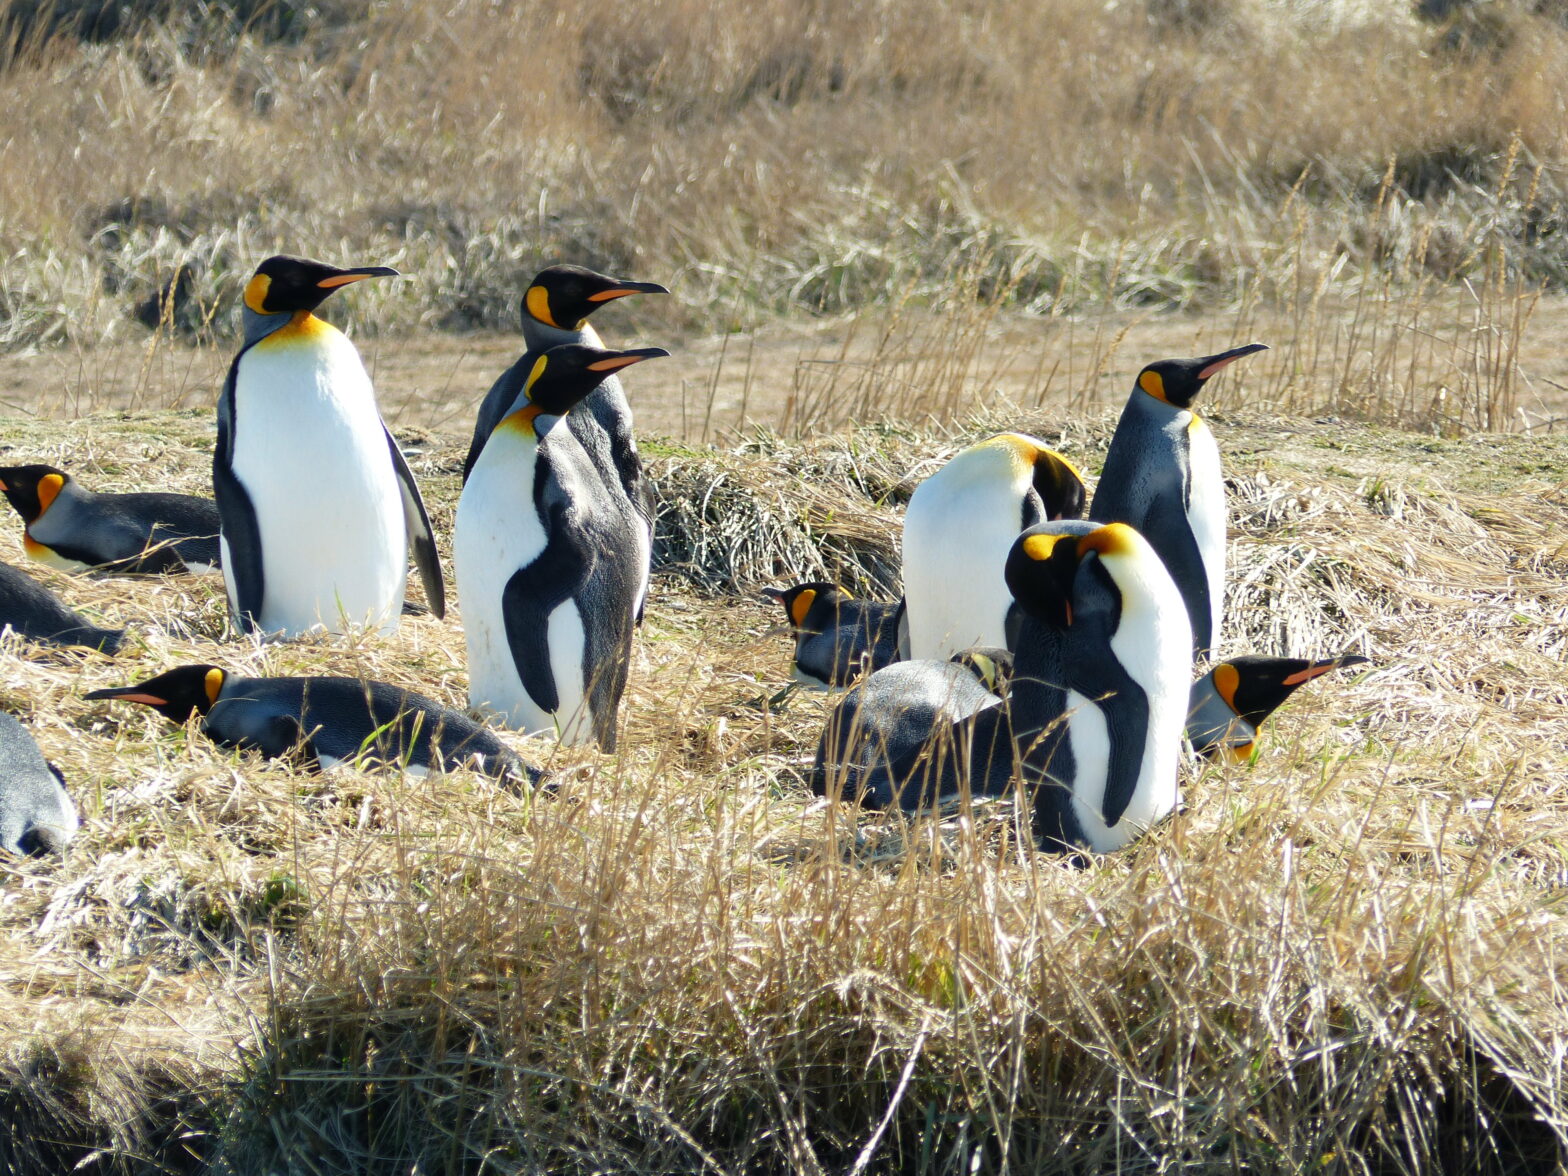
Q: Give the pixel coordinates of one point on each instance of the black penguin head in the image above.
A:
(1059, 485)
(1056, 572)
(803, 599)
(993, 665)
(285, 284)
(176, 695)
(32, 489)
(562, 376)
(1177, 382)
(1255, 687)
(563, 296)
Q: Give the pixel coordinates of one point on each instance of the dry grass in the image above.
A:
(1346, 956)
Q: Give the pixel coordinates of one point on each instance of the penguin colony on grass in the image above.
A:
(1035, 653)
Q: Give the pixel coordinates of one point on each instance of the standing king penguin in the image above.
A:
(960, 524)
(1162, 477)
(549, 564)
(1100, 682)
(555, 312)
(318, 507)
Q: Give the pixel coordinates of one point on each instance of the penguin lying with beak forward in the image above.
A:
(1228, 705)
(837, 638)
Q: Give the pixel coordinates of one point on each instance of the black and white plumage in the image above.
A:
(327, 720)
(1162, 477)
(319, 509)
(837, 638)
(69, 527)
(1229, 704)
(30, 609)
(36, 813)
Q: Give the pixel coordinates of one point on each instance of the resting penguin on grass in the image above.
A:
(1162, 476)
(318, 507)
(837, 638)
(1228, 705)
(28, 608)
(36, 813)
(68, 527)
(893, 740)
(327, 720)
(555, 312)
(549, 562)
(959, 526)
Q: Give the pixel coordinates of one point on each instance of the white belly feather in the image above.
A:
(310, 451)
(1206, 516)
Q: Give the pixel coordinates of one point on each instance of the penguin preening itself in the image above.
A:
(549, 562)
(36, 813)
(1100, 682)
(28, 608)
(1228, 705)
(959, 526)
(837, 638)
(895, 740)
(328, 720)
(1162, 476)
(73, 529)
(318, 507)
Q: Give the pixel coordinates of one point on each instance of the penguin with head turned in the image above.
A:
(550, 565)
(555, 312)
(328, 721)
(1162, 477)
(318, 507)
(959, 526)
(67, 526)
(1229, 704)
(837, 638)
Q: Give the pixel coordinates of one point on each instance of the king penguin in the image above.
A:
(30, 609)
(36, 813)
(1162, 477)
(555, 312)
(1228, 705)
(327, 720)
(1100, 680)
(318, 507)
(959, 526)
(837, 638)
(67, 526)
(549, 565)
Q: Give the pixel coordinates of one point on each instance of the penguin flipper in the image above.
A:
(531, 595)
(1167, 527)
(421, 539)
(240, 529)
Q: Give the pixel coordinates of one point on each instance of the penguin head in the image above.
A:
(1055, 571)
(1254, 686)
(1055, 479)
(285, 284)
(803, 599)
(993, 665)
(563, 296)
(1177, 382)
(176, 695)
(562, 376)
(32, 489)
(1059, 485)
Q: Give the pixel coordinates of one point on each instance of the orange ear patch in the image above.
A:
(1039, 547)
(49, 487)
(256, 292)
(801, 605)
(537, 300)
(1154, 384)
(1226, 679)
(1111, 539)
(213, 682)
(538, 370)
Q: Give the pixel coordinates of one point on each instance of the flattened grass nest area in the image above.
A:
(1347, 955)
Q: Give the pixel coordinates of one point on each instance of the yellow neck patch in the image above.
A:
(537, 300)
(1226, 679)
(1239, 753)
(49, 487)
(522, 421)
(801, 605)
(1154, 384)
(256, 292)
(213, 683)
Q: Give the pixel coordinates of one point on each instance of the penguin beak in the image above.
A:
(1210, 364)
(127, 694)
(1317, 669)
(626, 358)
(358, 274)
(622, 289)
(773, 593)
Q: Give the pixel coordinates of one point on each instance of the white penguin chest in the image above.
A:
(1206, 508)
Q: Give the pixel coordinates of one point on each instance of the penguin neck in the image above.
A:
(541, 336)
(259, 326)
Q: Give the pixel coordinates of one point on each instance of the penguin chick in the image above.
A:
(329, 720)
(837, 638)
(550, 564)
(28, 608)
(1162, 477)
(36, 813)
(1228, 705)
(69, 527)
(1100, 681)
(959, 526)
(893, 740)
(319, 509)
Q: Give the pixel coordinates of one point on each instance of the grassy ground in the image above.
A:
(1344, 956)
